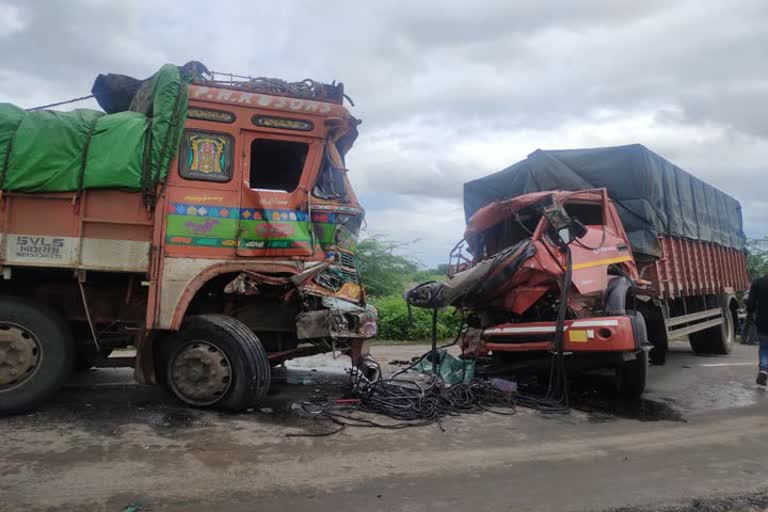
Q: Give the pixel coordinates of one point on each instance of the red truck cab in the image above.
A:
(514, 315)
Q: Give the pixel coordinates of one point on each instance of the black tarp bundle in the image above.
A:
(653, 196)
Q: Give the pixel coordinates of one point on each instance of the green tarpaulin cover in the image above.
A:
(47, 151)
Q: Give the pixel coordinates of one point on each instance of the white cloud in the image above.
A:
(10, 20)
(450, 90)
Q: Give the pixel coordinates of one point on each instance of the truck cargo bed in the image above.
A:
(691, 267)
(108, 230)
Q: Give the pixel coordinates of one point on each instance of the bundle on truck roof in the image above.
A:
(129, 148)
(653, 196)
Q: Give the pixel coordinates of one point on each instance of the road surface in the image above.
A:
(105, 443)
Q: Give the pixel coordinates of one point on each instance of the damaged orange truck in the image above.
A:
(209, 223)
(646, 252)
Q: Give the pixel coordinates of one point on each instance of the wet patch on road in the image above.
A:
(101, 404)
(596, 395)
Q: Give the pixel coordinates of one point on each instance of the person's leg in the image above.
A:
(762, 374)
(763, 339)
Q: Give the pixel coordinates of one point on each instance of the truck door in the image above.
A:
(274, 203)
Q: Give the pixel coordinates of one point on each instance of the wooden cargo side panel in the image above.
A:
(116, 231)
(97, 230)
(39, 230)
(690, 267)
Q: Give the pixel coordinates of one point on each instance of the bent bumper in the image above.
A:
(599, 334)
(340, 319)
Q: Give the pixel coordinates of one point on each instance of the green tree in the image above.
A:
(384, 272)
(757, 257)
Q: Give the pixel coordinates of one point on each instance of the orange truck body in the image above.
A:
(141, 269)
(618, 307)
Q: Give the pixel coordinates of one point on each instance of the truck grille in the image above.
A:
(347, 259)
(343, 270)
(348, 266)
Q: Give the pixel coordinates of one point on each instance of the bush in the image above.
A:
(394, 323)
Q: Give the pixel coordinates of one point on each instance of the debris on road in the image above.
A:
(409, 403)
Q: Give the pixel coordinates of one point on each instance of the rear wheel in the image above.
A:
(216, 361)
(36, 353)
(717, 340)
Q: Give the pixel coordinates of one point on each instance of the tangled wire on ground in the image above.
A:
(411, 404)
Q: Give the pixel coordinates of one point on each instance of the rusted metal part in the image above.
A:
(200, 373)
(248, 282)
(472, 342)
(284, 355)
(144, 365)
(340, 319)
(20, 355)
(212, 271)
(359, 351)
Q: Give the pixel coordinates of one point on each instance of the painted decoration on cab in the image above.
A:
(206, 154)
(209, 225)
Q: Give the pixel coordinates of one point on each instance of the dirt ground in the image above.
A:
(698, 441)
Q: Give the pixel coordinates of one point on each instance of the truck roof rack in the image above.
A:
(306, 89)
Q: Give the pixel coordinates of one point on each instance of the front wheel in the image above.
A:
(217, 361)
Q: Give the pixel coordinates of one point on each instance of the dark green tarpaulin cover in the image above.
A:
(652, 195)
(48, 151)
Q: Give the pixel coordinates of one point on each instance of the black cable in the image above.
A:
(410, 404)
(435, 358)
(557, 388)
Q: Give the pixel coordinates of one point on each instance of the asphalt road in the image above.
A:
(105, 443)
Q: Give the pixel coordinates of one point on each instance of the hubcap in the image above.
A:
(20, 355)
(200, 374)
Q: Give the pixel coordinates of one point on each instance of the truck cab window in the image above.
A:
(277, 164)
(206, 156)
(588, 214)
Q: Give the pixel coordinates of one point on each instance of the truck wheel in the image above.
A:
(216, 361)
(632, 376)
(36, 353)
(716, 340)
(657, 335)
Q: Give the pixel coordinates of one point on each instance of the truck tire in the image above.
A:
(717, 340)
(632, 376)
(216, 361)
(37, 353)
(657, 335)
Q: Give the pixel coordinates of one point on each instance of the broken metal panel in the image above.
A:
(341, 319)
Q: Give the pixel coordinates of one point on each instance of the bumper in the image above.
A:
(600, 334)
(340, 319)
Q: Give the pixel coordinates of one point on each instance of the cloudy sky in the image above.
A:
(448, 90)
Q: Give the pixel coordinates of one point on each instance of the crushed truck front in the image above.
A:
(522, 250)
(260, 221)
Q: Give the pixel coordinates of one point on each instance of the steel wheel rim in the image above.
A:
(200, 373)
(20, 355)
